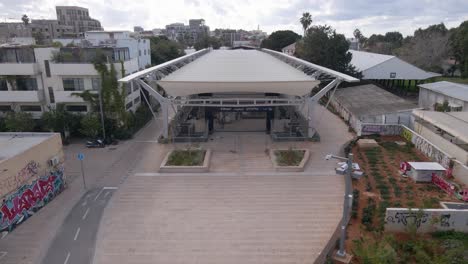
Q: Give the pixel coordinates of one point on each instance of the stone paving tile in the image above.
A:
(225, 219)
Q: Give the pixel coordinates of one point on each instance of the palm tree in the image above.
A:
(306, 21)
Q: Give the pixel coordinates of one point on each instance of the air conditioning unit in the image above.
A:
(54, 161)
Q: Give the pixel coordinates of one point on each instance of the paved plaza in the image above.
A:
(242, 211)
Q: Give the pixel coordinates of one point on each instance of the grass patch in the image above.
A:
(289, 157)
(186, 158)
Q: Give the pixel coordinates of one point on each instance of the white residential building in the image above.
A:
(37, 79)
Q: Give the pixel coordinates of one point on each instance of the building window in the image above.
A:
(76, 108)
(5, 108)
(129, 105)
(96, 83)
(135, 87)
(73, 84)
(128, 88)
(26, 84)
(139, 52)
(144, 52)
(31, 108)
(392, 75)
(47, 68)
(137, 100)
(3, 85)
(51, 95)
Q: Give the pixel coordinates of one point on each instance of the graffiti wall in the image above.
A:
(426, 147)
(426, 220)
(29, 198)
(381, 129)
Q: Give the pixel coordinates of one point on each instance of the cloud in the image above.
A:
(369, 15)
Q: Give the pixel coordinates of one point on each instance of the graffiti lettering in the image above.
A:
(445, 220)
(30, 198)
(367, 129)
(408, 217)
(31, 170)
(426, 147)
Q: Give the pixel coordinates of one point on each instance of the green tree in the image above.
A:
(19, 122)
(428, 48)
(306, 21)
(207, 42)
(459, 44)
(280, 39)
(90, 125)
(25, 20)
(61, 121)
(323, 46)
(163, 49)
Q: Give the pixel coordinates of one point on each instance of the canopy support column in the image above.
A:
(164, 102)
(312, 102)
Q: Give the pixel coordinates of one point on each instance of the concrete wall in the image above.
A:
(28, 166)
(426, 220)
(442, 143)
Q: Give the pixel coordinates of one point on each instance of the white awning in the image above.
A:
(237, 71)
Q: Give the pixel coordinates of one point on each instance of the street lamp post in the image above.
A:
(347, 201)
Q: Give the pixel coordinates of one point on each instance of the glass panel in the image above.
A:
(3, 85)
(96, 83)
(77, 108)
(73, 84)
(31, 108)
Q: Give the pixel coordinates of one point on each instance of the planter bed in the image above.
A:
(286, 161)
(179, 160)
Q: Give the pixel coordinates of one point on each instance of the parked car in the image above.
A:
(96, 143)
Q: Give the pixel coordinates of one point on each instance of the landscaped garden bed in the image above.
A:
(186, 160)
(289, 160)
(383, 187)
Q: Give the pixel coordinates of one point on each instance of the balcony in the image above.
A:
(19, 69)
(22, 96)
(68, 69)
(68, 97)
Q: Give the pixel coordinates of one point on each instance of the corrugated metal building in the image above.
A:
(455, 94)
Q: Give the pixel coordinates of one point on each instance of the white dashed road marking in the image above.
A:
(76, 234)
(107, 193)
(85, 214)
(95, 198)
(3, 254)
(66, 259)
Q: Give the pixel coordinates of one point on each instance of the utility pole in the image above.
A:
(102, 114)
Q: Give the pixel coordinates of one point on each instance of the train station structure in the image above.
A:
(232, 90)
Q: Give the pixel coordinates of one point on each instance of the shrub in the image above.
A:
(289, 157)
(19, 122)
(186, 158)
(90, 125)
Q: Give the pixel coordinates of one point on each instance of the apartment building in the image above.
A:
(77, 17)
(187, 34)
(71, 22)
(139, 47)
(37, 79)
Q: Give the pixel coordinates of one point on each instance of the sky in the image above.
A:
(370, 16)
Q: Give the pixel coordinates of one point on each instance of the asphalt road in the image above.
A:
(75, 241)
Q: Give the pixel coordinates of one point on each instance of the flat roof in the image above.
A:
(369, 99)
(237, 71)
(12, 144)
(455, 90)
(427, 166)
(455, 123)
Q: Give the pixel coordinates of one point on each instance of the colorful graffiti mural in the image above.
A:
(426, 147)
(29, 198)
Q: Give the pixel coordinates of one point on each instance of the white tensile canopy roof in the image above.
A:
(237, 71)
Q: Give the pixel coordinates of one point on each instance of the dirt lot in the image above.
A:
(383, 186)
